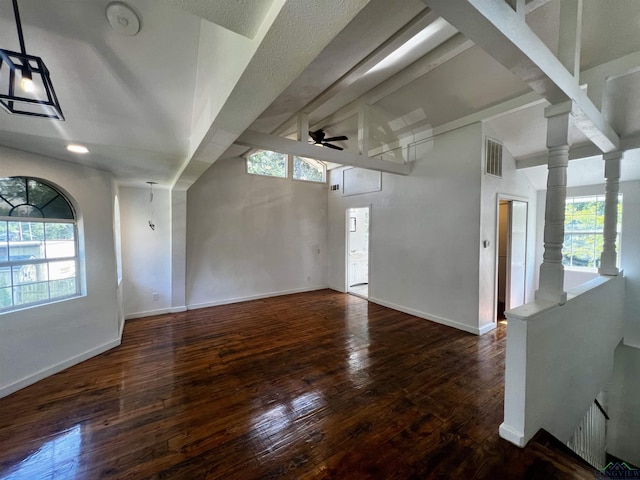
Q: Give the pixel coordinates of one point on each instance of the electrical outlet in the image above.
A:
(155, 296)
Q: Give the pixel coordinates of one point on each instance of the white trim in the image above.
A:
(509, 434)
(181, 308)
(630, 343)
(433, 318)
(259, 296)
(47, 372)
(487, 328)
(147, 313)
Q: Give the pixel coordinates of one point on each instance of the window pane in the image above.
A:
(23, 274)
(30, 293)
(60, 270)
(25, 240)
(583, 250)
(5, 297)
(14, 190)
(267, 163)
(58, 208)
(63, 288)
(5, 277)
(4, 246)
(308, 169)
(39, 193)
(60, 240)
(583, 223)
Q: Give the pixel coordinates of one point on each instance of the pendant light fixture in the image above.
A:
(25, 84)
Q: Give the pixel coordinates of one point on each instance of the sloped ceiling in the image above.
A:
(166, 103)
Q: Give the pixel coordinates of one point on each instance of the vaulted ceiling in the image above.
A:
(165, 104)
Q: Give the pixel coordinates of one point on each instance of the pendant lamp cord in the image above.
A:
(16, 12)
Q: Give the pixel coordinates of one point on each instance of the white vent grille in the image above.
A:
(493, 158)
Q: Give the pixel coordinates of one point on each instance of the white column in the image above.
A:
(612, 174)
(551, 286)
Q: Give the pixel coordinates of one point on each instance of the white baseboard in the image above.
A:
(427, 316)
(148, 313)
(182, 308)
(487, 328)
(46, 372)
(511, 435)
(228, 301)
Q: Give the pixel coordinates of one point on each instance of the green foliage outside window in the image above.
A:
(268, 163)
(308, 169)
(583, 227)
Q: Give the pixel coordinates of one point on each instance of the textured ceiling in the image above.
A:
(202, 69)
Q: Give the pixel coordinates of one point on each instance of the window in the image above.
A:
(38, 244)
(268, 163)
(583, 226)
(309, 169)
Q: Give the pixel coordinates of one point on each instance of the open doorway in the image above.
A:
(358, 251)
(511, 250)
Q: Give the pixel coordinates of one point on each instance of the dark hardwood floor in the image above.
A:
(318, 385)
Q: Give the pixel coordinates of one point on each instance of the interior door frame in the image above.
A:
(507, 198)
(346, 245)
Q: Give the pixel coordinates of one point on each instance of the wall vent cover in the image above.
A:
(493, 158)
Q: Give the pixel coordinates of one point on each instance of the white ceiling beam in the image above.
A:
(432, 60)
(577, 152)
(408, 31)
(287, 48)
(496, 28)
(274, 143)
(570, 35)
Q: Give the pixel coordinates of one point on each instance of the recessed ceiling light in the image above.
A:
(75, 148)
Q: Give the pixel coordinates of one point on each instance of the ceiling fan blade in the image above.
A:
(336, 139)
(335, 147)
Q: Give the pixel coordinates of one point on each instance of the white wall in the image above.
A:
(250, 236)
(513, 184)
(630, 251)
(424, 232)
(623, 392)
(559, 358)
(39, 341)
(146, 253)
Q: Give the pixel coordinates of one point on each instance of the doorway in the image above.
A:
(511, 250)
(357, 271)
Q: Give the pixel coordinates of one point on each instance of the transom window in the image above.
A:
(265, 162)
(274, 164)
(38, 244)
(583, 227)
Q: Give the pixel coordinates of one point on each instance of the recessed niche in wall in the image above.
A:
(356, 181)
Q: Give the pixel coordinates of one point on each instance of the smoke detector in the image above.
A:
(123, 19)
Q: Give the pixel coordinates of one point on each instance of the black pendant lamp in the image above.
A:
(25, 84)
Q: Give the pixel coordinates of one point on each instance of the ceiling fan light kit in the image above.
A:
(25, 82)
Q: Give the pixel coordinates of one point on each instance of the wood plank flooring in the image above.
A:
(318, 385)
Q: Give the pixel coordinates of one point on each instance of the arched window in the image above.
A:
(38, 244)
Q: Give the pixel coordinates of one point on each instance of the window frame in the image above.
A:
(598, 198)
(324, 170)
(289, 168)
(45, 260)
(286, 165)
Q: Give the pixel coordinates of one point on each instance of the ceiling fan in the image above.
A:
(318, 138)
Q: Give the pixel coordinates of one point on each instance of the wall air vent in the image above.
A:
(493, 158)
